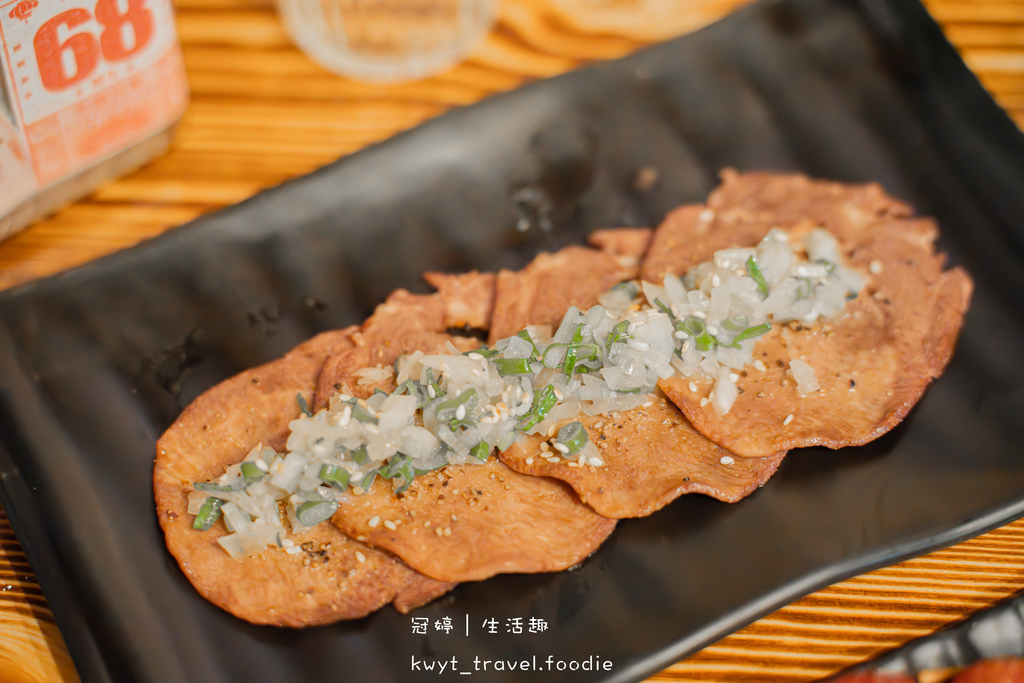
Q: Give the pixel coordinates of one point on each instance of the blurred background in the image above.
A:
(261, 111)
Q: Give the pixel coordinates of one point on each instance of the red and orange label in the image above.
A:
(87, 79)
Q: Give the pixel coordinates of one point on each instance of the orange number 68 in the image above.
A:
(84, 47)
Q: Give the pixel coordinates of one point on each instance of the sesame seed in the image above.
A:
(344, 398)
(733, 377)
(454, 518)
(703, 402)
(599, 424)
(475, 356)
(439, 531)
(726, 460)
(759, 364)
(699, 314)
(293, 550)
(360, 556)
(595, 461)
(707, 215)
(390, 525)
(631, 328)
(692, 386)
(287, 543)
(789, 418)
(431, 392)
(460, 413)
(558, 395)
(712, 330)
(262, 466)
(529, 461)
(561, 447)
(679, 334)
(374, 521)
(426, 525)
(875, 267)
(447, 531)
(545, 446)
(647, 404)
(638, 344)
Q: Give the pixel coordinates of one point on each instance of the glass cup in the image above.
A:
(387, 40)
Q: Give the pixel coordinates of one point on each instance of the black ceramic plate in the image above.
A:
(990, 634)
(96, 362)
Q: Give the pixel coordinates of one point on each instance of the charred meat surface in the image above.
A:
(470, 522)
(468, 298)
(542, 292)
(873, 362)
(332, 577)
(404, 323)
(652, 456)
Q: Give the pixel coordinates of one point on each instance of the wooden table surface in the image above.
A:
(261, 113)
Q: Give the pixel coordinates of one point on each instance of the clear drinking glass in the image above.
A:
(387, 40)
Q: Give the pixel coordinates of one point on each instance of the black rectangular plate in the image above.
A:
(993, 633)
(96, 362)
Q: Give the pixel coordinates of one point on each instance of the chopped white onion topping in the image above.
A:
(451, 408)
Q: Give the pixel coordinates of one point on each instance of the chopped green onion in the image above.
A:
(735, 325)
(507, 441)
(523, 334)
(750, 333)
(360, 413)
(360, 456)
(755, 273)
(550, 363)
(629, 287)
(208, 514)
(251, 474)
(593, 352)
(573, 436)
(483, 351)
(438, 393)
(481, 451)
(236, 485)
(335, 476)
(367, 481)
(313, 512)
(448, 410)
(829, 266)
(617, 334)
(399, 467)
(303, 406)
(542, 404)
(804, 288)
(512, 366)
(696, 328)
(569, 365)
(663, 306)
(465, 422)
(416, 390)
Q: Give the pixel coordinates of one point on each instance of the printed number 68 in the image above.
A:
(84, 47)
